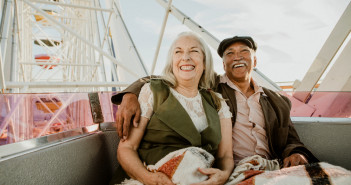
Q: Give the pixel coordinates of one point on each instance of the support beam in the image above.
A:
(339, 76)
(97, 48)
(72, 5)
(2, 76)
(10, 85)
(168, 9)
(213, 41)
(57, 64)
(5, 27)
(325, 55)
(124, 46)
(187, 21)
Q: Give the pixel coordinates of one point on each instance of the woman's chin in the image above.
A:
(187, 79)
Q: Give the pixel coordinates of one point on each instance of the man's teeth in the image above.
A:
(187, 67)
(239, 65)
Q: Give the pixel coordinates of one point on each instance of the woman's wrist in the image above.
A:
(227, 174)
(145, 177)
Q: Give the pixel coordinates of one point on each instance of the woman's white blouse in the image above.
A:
(193, 106)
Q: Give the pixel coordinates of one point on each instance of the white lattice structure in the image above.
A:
(85, 46)
(68, 46)
(87, 43)
(60, 46)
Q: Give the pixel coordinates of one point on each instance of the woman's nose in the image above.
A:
(186, 56)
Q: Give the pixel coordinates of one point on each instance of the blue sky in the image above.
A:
(289, 33)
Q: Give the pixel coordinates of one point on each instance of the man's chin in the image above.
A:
(238, 79)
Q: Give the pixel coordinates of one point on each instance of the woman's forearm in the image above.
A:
(132, 165)
(225, 164)
(127, 154)
(224, 158)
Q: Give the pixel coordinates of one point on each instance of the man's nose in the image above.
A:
(237, 56)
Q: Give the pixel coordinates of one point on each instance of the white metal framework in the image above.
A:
(65, 46)
(325, 56)
(84, 46)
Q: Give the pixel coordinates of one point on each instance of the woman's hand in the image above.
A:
(215, 176)
(158, 178)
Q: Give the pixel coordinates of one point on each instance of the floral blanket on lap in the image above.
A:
(256, 170)
(181, 166)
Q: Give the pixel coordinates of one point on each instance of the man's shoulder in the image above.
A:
(270, 92)
(219, 80)
(275, 96)
(216, 82)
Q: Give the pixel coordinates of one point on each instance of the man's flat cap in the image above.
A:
(228, 41)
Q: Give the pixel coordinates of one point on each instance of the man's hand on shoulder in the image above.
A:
(294, 160)
(128, 109)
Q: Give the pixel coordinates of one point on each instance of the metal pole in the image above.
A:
(14, 50)
(56, 64)
(2, 76)
(72, 5)
(118, 13)
(114, 60)
(64, 84)
(161, 36)
(5, 24)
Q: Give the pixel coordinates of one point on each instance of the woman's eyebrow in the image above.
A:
(193, 47)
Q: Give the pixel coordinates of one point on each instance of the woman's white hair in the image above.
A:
(207, 79)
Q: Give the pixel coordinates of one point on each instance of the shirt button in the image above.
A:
(253, 125)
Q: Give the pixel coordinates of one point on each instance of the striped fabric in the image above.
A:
(256, 172)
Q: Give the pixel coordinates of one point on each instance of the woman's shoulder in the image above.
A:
(158, 82)
(159, 85)
(146, 89)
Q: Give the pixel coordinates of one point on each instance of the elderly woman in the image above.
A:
(179, 111)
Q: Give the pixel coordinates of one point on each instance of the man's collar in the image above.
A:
(224, 79)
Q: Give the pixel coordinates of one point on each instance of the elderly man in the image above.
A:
(261, 117)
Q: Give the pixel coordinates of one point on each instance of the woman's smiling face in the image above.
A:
(188, 60)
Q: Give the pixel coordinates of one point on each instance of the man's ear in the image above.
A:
(255, 61)
(223, 66)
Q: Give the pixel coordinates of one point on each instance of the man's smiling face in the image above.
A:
(239, 61)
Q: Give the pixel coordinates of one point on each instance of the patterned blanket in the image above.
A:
(181, 166)
(256, 170)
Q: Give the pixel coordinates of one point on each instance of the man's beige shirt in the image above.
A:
(249, 134)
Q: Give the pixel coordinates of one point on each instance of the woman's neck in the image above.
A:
(187, 90)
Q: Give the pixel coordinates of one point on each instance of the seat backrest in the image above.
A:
(92, 158)
(89, 159)
(329, 141)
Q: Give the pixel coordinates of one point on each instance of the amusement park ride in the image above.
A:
(54, 52)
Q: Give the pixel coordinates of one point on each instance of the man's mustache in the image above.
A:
(239, 62)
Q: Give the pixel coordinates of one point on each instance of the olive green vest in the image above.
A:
(170, 127)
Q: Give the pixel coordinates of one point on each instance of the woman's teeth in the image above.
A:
(187, 67)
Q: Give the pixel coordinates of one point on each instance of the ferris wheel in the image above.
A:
(69, 46)
(77, 46)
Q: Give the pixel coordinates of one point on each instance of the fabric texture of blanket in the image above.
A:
(256, 170)
(181, 166)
